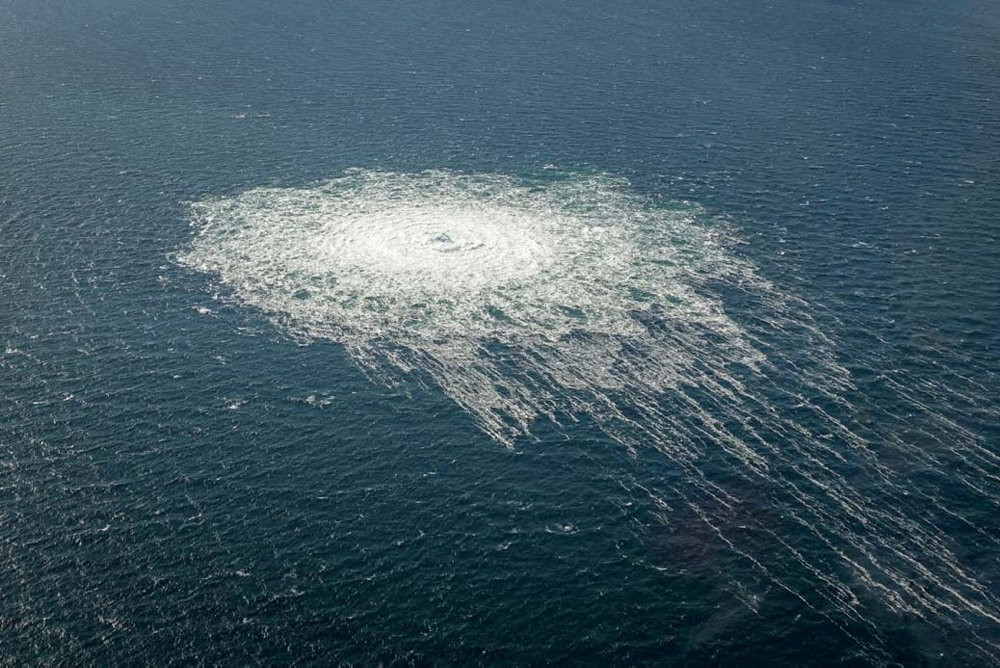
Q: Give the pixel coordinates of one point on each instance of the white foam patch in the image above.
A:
(571, 295)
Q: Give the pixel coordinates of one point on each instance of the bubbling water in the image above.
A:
(419, 258)
(572, 295)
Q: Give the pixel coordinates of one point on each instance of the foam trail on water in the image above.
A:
(572, 295)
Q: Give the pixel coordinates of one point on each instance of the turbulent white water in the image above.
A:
(574, 296)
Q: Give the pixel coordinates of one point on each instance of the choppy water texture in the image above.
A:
(572, 295)
(478, 332)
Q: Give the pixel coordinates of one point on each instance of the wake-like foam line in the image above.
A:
(571, 295)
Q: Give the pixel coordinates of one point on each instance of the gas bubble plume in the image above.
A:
(572, 295)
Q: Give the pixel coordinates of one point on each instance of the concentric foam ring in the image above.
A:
(444, 254)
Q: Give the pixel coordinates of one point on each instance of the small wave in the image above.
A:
(572, 295)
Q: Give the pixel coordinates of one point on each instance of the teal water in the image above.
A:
(680, 342)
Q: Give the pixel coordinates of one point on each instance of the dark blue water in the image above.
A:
(176, 487)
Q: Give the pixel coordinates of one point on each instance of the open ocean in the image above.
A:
(473, 332)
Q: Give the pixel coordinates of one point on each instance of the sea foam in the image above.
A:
(570, 295)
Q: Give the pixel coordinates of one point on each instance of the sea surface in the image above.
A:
(474, 332)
